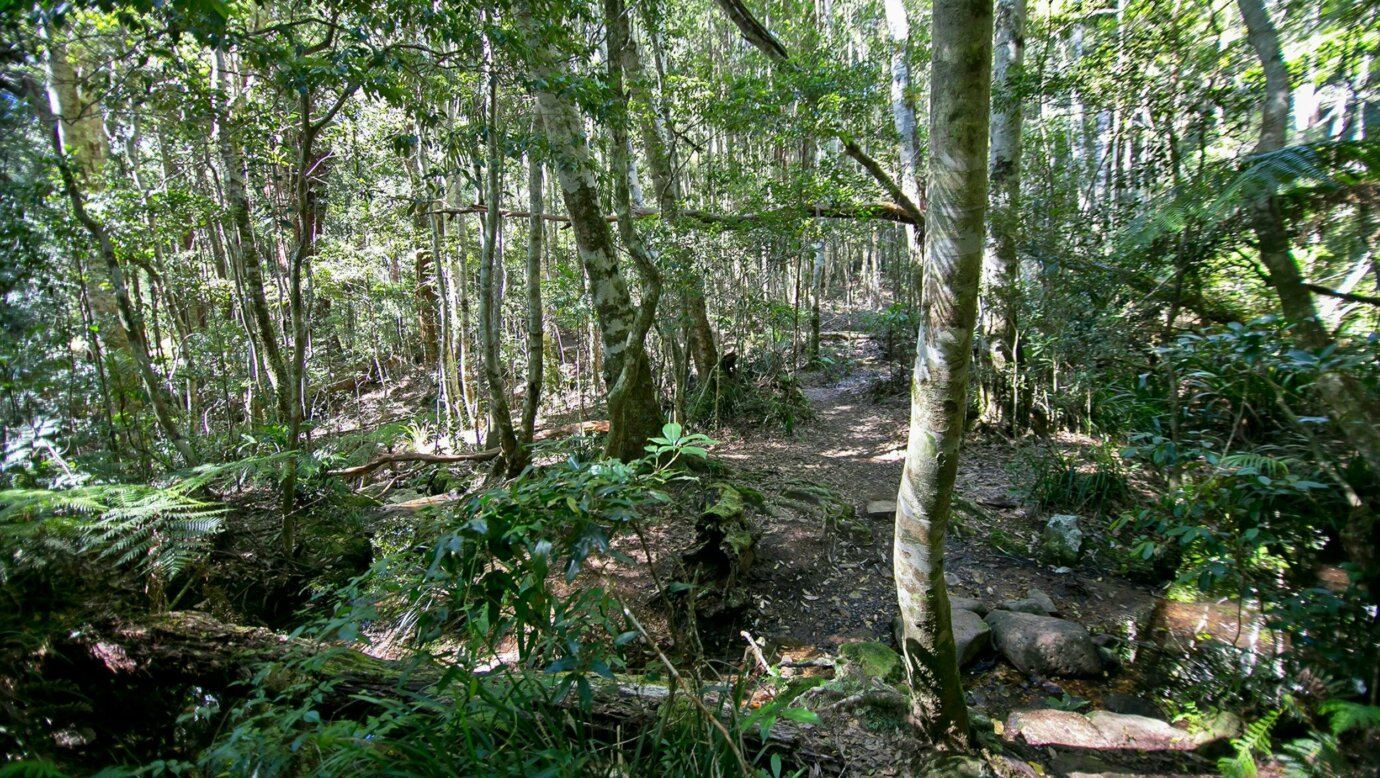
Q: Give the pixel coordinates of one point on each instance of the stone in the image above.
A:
(955, 766)
(879, 508)
(971, 635)
(961, 603)
(1048, 727)
(1044, 645)
(1218, 728)
(1099, 730)
(1128, 732)
(1035, 602)
(1061, 542)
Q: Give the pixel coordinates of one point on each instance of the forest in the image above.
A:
(690, 388)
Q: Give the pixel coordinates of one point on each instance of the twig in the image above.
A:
(743, 765)
(756, 651)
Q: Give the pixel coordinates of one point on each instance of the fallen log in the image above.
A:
(153, 658)
(392, 459)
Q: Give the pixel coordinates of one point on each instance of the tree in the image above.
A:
(1001, 269)
(960, 95)
(634, 411)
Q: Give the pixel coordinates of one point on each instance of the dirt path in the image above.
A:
(817, 586)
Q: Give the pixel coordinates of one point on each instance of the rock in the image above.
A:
(1044, 645)
(1061, 542)
(1099, 730)
(1111, 660)
(1052, 727)
(955, 766)
(1218, 728)
(960, 603)
(879, 508)
(971, 635)
(1128, 732)
(1035, 602)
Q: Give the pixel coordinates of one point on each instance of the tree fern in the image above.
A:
(152, 531)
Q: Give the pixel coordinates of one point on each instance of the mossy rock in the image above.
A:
(863, 662)
(1005, 541)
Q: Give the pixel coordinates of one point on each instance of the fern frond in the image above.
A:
(1254, 741)
(1344, 716)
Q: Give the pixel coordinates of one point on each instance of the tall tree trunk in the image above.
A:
(250, 258)
(1353, 408)
(490, 333)
(903, 117)
(638, 415)
(960, 90)
(536, 347)
(621, 394)
(1002, 266)
(131, 322)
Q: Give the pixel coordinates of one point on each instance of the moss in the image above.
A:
(729, 505)
(738, 540)
(1004, 541)
(871, 660)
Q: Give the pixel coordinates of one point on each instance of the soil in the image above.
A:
(818, 582)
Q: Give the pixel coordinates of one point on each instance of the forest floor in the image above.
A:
(815, 586)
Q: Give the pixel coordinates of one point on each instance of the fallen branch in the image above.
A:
(902, 211)
(392, 459)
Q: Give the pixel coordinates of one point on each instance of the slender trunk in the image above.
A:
(490, 333)
(960, 73)
(1002, 267)
(639, 416)
(623, 396)
(1353, 409)
(536, 348)
(131, 323)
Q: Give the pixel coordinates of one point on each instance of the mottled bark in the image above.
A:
(960, 87)
(1001, 270)
(639, 417)
(622, 399)
(490, 332)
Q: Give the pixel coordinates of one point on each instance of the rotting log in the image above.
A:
(190, 649)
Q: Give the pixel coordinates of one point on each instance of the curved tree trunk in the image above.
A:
(1352, 408)
(959, 100)
(127, 312)
(638, 414)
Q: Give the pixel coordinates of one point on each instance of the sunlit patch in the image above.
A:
(113, 656)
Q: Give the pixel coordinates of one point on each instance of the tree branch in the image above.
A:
(1348, 296)
(882, 211)
(760, 37)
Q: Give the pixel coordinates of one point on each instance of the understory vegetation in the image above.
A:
(523, 387)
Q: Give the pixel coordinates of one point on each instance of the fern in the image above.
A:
(1255, 741)
(1344, 716)
(154, 532)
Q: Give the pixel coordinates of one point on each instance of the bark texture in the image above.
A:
(638, 416)
(960, 93)
(1001, 270)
